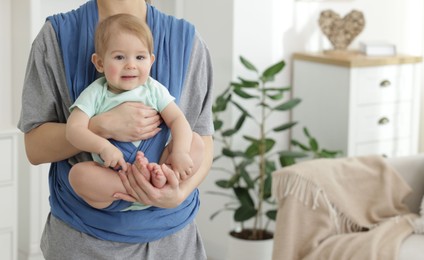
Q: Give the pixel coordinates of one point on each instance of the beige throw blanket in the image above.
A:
(348, 208)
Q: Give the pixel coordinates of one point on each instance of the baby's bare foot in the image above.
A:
(140, 160)
(158, 177)
(141, 163)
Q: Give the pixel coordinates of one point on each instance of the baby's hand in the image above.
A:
(113, 157)
(182, 164)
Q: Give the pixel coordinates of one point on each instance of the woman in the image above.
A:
(58, 70)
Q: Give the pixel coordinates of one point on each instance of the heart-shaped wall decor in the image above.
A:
(341, 31)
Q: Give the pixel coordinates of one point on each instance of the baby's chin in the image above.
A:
(124, 87)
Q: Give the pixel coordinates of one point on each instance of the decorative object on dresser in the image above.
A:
(341, 31)
(377, 48)
(362, 105)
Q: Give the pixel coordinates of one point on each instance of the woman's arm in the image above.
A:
(127, 122)
(47, 143)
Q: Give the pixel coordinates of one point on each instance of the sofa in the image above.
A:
(407, 172)
(411, 168)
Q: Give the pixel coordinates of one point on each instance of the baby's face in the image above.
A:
(126, 63)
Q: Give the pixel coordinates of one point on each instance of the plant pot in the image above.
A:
(249, 249)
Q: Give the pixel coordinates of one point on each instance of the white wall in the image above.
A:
(5, 61)
(262, 31)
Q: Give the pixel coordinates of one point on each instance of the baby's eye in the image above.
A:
(119, 57)
(141, 57)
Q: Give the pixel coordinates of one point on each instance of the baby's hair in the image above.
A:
(115, 24)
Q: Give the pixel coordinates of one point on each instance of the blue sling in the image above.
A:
(173, 40)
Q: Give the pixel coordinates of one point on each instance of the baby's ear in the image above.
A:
(98, 62)
(152, 59)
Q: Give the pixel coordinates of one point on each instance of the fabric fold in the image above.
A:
(331, 208)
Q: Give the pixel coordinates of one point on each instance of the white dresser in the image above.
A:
(358, 104)
(8, 194)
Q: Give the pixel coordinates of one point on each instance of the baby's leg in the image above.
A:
(95, 184)
(196, 151)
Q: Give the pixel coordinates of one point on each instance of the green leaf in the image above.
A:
(284, 126)
(313, 144)
(233, 180)
(263, 104)
(217, 157)
(330, 154)
(306, 132)
(247, 64)
(292, 154)
(244, 213)
(249, 138)
(284, 161)
(229, 132)
(269, 167)
(299, 144)
(223, 184)
(230, 183)
(288, 105)
(236, 85)
(271, 214)
(277, 89)
(267, 187)
(245, 176)
(243, 196)
(243, 94)
(287, 158)
(269, 143)
(277, 96)
(253, 148)
(270, 72)
(229, 153)
(240, 122)
(221, 103)
(217, 124)
(241, 108)
(248, 83)
(240, 85)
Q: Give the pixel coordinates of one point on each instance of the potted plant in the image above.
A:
(248, 180)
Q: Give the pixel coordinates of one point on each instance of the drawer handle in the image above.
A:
(385, 83)
(383, 121)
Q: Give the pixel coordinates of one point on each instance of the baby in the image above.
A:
(124, 54)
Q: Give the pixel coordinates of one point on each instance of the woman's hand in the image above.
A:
(174, 192)
(141, 190)
(128, 122)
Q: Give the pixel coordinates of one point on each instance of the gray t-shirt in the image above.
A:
(45, 96)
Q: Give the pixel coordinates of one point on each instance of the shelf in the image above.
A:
(355, 59)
